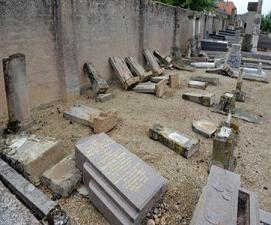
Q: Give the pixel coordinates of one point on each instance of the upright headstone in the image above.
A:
(234, 57)
(121, 185)
(17, 88)
(257, 26)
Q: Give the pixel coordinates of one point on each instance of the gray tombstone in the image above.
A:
(121, 185)
(152, 62)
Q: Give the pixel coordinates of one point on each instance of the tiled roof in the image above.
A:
(228, 7)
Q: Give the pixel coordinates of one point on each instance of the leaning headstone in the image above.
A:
(204, 128)
(197, 84)
(225, 71)
(13, 212)
(98, 120)
(137, 68)
(31, 156)
(121, 186)
(16, 84)
(41, 205)
(157, 79)
(210, 80)
(63, 178)
(123, 73)
(165, 60)
(234, 56)
(98, 84)
(180, 143)
(152, 62)
(247, 43)
(206, 99)
(214, 64)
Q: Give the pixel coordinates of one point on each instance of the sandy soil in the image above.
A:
(186, 177)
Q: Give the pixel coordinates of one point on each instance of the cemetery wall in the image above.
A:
(59, 36)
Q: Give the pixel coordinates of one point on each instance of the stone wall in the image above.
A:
(59, 36)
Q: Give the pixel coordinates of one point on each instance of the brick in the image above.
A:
(152, 62)
(210, 80)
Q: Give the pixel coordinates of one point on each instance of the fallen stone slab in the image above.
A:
(265, 217)
(31, 156)
(184, 68)
(137, 69)
(122, 187)
(204, 128)
(206, 99)
(98, 84)
(157, 79)
(152, 62)
(13, 212)
(63, 178)
(83, 190)
(123, 73)
(104, 97)
(159, 89)
(174, 81)
(210, 80)
(98, 120)
(203, 64)
(225, 71)
(164, 60)
(197, 84)
(42, 206)
(179, 142)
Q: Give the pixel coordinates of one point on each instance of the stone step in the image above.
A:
(159, 89)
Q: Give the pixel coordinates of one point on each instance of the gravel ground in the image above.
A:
(186, 177)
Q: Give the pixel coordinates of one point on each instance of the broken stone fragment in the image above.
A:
(174, 81)
(225, 71)
(204, 128)
(197, 84)
(31, 156)
(227, 103)
(100, 121)
(206, 99)
(104, 97)
(63, 178)
(164, 60)
(210, 80)
(240, 96)
(175, 140)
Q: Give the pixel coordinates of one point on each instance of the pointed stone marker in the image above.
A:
(206, 99)
(197, 84)
(204, 128)
(175, 140)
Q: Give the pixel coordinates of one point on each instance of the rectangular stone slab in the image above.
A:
(31, 196)
(147, 87)
(152, 62)
(210, 80)
(265, 217)
(218, 203)
(165, 60)
(121, 185)
(177, 141)
(157, 79)
(123, 73)
(206, 99)
(197, 84)
(13, 212)
(137, 68)
(31, 156)
(100, 121)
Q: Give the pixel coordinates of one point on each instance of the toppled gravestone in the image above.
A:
(210, 80)
(180, 143)
(121, 185)
(240, 95)
(13, 212)
(98, 120)
(204, 128)
(152, 62)
(159, 89)
(137, 69)
(123, 73)
(157, 79)
(104, 97)
(31, 156)
(166, 61)
(197, 84)
(63, 178)
(42, 206)
(226, 70)
(98, 84)
(206, 99)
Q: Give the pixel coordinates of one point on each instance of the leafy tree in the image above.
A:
(198, 5)
(266, 23)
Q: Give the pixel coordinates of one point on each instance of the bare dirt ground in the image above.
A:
(186, 177)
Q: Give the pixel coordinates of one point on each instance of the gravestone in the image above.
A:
(177, 141)
(210, 80)
(137, 69)
(234, 56)
(121, 185)
(197, 84)
(152, 62)
(206, 99)
(123, 73)
(239, 94)
(204, 128)
(98, 84)
(164, 60)
(159, 89)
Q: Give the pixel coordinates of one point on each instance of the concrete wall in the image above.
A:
(59, 36)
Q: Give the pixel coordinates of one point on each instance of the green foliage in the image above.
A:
(198, 5)
(266, 23)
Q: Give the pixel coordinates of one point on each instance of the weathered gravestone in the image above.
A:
(174, 81)
(164, 60)
(197, 84)
(180, 143)
(204, 128)
(121, 185)
(137, 69)
(234, 56)
(100, 121)
(152, 62)
(157, 79)
(206, 99)
(104, 97)
(210, 80)
(99, 85)
(123, 73)
(159, 89)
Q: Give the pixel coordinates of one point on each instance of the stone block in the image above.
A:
(104, 97)
(210, 80)
(175, 140)
(206, 99)
(161, 88)
(121, 186)
(31, 156)
(204, 128)
(214, 45)
(147, 87)
(152, 62)
(63, 178)
(100, 121)
(157, 79)
(197, 84)
(203, 64)
(13, 212)
(174, 81)
(227, 103)
(252, 7)
(137, 69)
